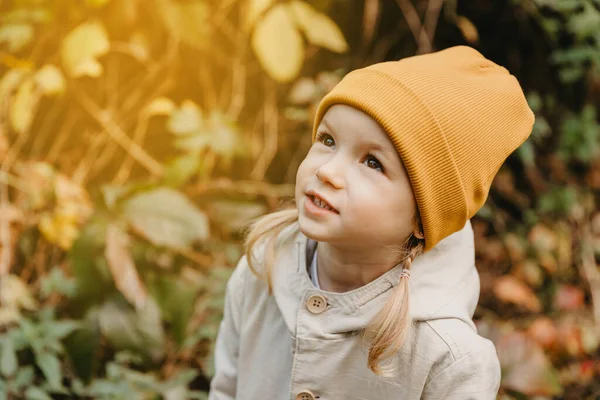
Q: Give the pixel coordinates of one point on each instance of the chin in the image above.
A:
(316, 233)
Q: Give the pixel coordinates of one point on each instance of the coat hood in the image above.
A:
(444, 283)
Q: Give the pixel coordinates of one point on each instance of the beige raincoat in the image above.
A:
(304, 343)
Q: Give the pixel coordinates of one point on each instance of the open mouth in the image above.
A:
(319, 202)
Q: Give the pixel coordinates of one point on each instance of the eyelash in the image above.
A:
(321, 136)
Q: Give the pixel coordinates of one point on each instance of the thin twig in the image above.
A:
(271, 128)
(429, 26)
(90, 158)
(371, 14)
(104, 117)
(590, 272)
(61, 138)
(17, 183)
(5, 238)
(414, 22)
(247, 188)
(138, 137)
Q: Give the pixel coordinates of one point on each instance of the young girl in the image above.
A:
(367, 288)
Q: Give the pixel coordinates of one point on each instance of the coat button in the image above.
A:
(316, 304)
(305, 395)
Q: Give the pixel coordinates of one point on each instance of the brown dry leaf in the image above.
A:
(530, 272)
(515, 246)
(468, 29)
(494, 250)
(570, 338)
(511, 290)
(542, 238)
(543, 330)
(548, 262)
(564, 251)
(122, 267)
(568, 298)
(578, 373)
(10, 213)
(525, 367)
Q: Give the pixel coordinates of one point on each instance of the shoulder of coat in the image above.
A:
(455, 337)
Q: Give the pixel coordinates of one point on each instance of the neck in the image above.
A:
(342, 269)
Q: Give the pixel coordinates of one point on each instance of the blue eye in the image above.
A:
(326, 139)
(373, 163)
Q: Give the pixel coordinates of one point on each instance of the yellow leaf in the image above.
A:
(187, 21)
(23, 106)
(16, 35)
(9, 83)
(255, 9)
(187, 119)
(278, 44)
(81, 48)
(58, 229)
(97, 3)
(468, 29)
(319, 29)
(122, 267)
(160, 106)
(50, 79)
(3, 145)
(14, 293)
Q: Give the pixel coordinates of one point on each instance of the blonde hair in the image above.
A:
(388, 330)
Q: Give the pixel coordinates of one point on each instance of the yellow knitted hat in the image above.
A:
(454, 117)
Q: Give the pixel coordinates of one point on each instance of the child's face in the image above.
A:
(356, 169)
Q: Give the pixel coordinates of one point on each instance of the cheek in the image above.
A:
(304, 171)
(383, 210)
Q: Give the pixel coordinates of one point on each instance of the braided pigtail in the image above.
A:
(265, 231)
(389, 329)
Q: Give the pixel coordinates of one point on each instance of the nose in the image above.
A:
(331, 172)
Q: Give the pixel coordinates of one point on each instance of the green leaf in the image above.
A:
(25, 377)
(88, 264)
(278, 45)
(81, 48)
(16, 35)
(8, 361)
(176, 298)
(235, 215)
(585, 22)
(117, 323)
(127, 330)
(149, 326)
(35, 393)
(50, 366)
(61, 329)
(83, 344)
(181, 169)
(57, 282)
(166, 218)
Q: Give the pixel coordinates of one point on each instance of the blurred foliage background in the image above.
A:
(139, 137)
